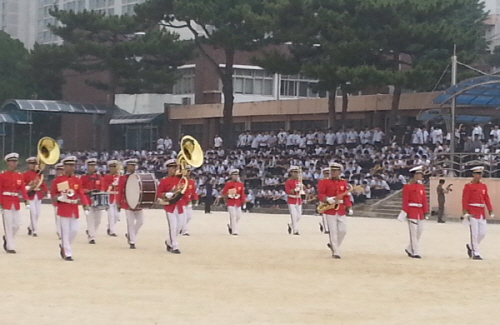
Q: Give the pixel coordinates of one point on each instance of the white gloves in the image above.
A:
(244, 206)
(169, 195)
(330, 200)
(297, 189)
(196, 204)
(350, 212)
(86, 212)
(492, 216)
(27, 206)
(27, 188)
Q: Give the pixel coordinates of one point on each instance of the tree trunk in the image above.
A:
(345, 104)
(104, 126)
(332, 119)
(396, 98)
(227, 90)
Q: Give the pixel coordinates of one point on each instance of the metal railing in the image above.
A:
(459, 164)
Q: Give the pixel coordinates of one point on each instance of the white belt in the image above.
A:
(479, 205)
(417, 205)
(10, 194)
(294, 196)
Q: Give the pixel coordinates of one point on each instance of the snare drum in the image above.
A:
(100, 200)
(140, 191)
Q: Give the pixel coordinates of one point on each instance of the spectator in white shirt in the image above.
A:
(378, 137)
(217, 142)
(340, 136)
(330, 139)
(167, 143)
(282, 138)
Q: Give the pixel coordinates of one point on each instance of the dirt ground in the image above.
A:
(263, 276)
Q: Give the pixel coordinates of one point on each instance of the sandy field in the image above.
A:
(263, 276)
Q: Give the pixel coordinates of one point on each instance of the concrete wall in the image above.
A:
(453, 205)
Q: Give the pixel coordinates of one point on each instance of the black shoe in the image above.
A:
(229, 229)
(469, 250)
(186, 234)
(4, 244)
(68, 258)
(289, 229)
(108, 232)
(132, 246)
(441, 221)
(337, 257)
(92, 242)
(296, 233)
(176, 251)
(87, 232)
(61, 251)
(478, 258)
(35, 235)
(329, 246)
(234, 234)
(128, 240)
(327, 232)
(416, 256)
(113, 235)
(29, 231)
(169, 248)
(321, 227)
(408, 253)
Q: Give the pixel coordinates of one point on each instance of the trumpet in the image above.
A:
(190, 154)
(301, 183)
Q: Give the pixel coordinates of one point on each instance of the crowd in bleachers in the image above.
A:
(375, 162)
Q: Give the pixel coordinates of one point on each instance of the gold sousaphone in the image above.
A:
(47, 154)
(190, 154)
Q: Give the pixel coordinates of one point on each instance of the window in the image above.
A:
(267, 126)
(299, 86)
(252, 82)
(185, 83)
(309, 125)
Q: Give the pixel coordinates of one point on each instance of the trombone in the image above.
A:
(190, 154)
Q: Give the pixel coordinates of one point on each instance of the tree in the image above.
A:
(227, 25)
(416, 38)
(14, 72)
(136, 61)
(326, 44)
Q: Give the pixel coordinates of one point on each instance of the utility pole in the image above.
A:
(453, 103)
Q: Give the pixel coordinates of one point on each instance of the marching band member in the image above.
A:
(234, 194)
(59, 172)
(323, 226)
(416, 209)
(166, 189)
(474, 199)
(68, 191)
(11, 184)
(135, 218)
(293, 188)
(35, 194)
(191, 197)
(111, 185)
(335, 191)
(92, 183)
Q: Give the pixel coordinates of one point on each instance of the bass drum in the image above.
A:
(140, 191)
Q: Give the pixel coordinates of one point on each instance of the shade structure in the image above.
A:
(135, 118)
(481, 91)
(52, 106)
(438, 116)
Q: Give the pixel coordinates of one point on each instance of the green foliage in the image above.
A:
(14, 71)
(137, 61)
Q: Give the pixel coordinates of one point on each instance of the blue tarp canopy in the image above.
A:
(438, 116)
(52, 106)
(481, 91)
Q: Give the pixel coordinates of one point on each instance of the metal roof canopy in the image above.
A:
(480, 91)
(14, 118)
(437, 114)
(52, 106)
(135, 118)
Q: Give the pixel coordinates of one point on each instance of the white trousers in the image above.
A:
(93, 222)
(58, 222)
(477, 230)
(234, 218)
(175, 223)
(338, 230)
(68, 231)
(135, 219)
(325, 223)
(296, 214)
(415, 227)
(35, 208)
(11, 224)
(113, 217)
(188, 214)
